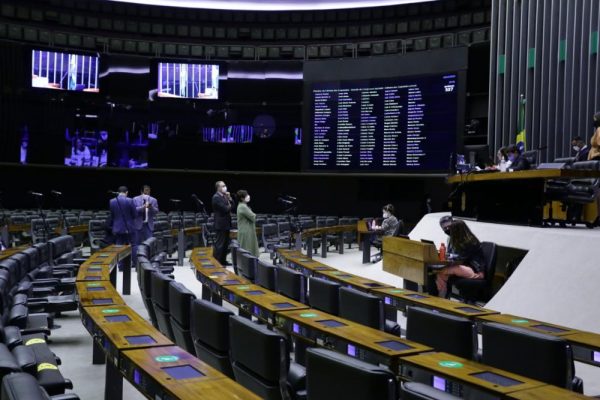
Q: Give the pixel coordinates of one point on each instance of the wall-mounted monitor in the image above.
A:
(188, 81)
(64, 71)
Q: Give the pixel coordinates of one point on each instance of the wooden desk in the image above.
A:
(586, 347)
(458, 376)
(364, 239)
(112, 336)
(529, 174)
(408, 258)
(350, 338)
(491, 196)
(123, 253)
(97, 294)
(354, 281)
(11, 251)
(97, 272)
(529, 324)
(260, 302)
(308, 267)
(147, 369)
(213, 277)
(400, 298)
(323, 232)
(547, 392)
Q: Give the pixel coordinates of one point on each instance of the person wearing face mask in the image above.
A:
(389, 223)
(517, 161)
(147, 208)
(246, 235)
(221, 205)
(580, 148)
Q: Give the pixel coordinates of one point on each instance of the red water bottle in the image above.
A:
(443, 251)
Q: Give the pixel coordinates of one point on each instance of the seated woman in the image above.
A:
(246, 234)
(389, 223)
(517, 161)
(468, 254)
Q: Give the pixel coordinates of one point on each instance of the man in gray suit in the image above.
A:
(146, 209)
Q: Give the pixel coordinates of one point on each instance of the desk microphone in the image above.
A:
(35, 193)
(56, 192)
(113, 193)
(175, 200)
(197, 199)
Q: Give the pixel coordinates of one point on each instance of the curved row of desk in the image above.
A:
(405, 358)
(132, 348)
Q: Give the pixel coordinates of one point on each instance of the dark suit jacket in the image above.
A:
(222, 212)
(122, 215)
(520, 164)
(138, 201)
(582, 155)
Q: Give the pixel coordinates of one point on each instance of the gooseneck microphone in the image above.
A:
(31, 192)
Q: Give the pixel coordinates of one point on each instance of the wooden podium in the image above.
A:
(408, 258)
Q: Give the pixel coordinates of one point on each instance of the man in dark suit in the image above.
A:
(221, 205)
(517, 161)
(146, 208)
(581, 148)
(122, 216)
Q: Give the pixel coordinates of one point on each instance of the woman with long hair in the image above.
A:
(467, 253)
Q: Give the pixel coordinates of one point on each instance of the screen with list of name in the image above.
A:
(400, 124)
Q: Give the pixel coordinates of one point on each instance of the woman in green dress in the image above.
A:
(246, 219)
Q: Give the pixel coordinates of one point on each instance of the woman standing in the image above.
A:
(470, 261)
(246, 219)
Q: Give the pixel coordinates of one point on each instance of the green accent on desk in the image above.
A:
(531, 58)
(519, 321)
(243, 287)
(397, 291)
(166, 358)
(450, 364)
(562, 50)
(93, 284)
(309, 315)
(501, 64)
(110, 310)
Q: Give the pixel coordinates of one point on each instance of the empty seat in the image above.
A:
(145, 272)
(270, 375)
(247, 266)
(266, 275)
(291, 284)
(210, 333)
(365, 309)
(160, 302)
(21, 386)
(330, 375)
(443, 332)
(536, 355)
(324, 295)
(180, 299)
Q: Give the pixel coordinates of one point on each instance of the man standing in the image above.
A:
(146, 209)
(221, 205)
(122, 217)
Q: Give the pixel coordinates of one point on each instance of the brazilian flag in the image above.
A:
(521, 128)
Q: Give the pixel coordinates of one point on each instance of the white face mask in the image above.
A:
(224, 189)
(247, 199)
(385, 214)
(576, 148)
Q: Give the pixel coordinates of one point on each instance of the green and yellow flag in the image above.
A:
(521, 124)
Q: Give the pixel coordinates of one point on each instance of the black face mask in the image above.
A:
(446, 231)
(596, 123)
